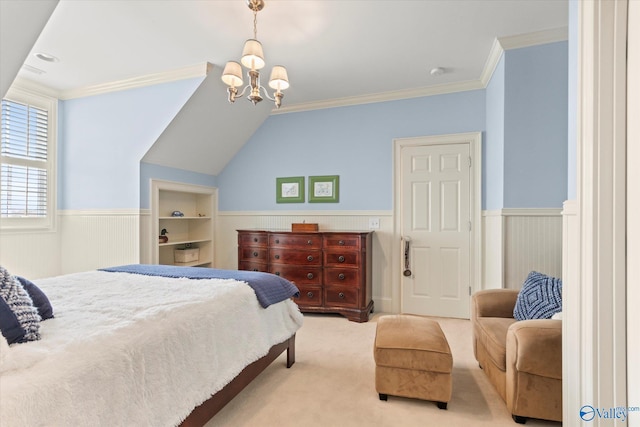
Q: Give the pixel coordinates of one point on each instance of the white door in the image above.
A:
(436, 221)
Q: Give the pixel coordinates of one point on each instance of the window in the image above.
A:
(27, 160)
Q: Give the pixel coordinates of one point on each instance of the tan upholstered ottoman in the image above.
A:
(413, 359)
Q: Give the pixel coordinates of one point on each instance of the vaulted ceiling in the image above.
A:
(336, 53)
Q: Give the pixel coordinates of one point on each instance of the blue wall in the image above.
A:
(103, 138)
(493, 148)
(523, 115)
(353, 142)
(523, 111)
(535, 119)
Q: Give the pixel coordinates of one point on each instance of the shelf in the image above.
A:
(183, 242)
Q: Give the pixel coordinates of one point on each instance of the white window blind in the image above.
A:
(24, 165)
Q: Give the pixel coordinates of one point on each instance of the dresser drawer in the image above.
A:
(341, 258)
(341, 295)
(252, 254)
(300, 275)
(342, 276)
(252, 266)
(293, 240)
(297, 257)
(310, 296)
(252, 239)
(349, 241)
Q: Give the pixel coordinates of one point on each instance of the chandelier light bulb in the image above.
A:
(252, 55)
(279, 79)
(232, 74)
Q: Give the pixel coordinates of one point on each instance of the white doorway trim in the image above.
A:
(474, 139)
(594, 332)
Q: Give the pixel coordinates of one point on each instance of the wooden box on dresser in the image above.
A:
(332, 269)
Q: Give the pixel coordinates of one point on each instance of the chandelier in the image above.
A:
(253, 60)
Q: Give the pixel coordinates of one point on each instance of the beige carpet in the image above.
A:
(332, 384)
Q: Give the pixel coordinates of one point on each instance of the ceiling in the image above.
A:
(332, 49)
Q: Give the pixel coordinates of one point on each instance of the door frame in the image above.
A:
(474, 139)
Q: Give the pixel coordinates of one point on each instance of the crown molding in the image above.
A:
(382, 97)
(492, 62)
(198, 70)
(536, 38)
(33, 87)
(501, 44)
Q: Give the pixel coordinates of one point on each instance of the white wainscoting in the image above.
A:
(227, 239)
(492, 250)
(514, 243)
(91, 239)
(517, 241)
(31, 254)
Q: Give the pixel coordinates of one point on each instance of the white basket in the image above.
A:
(186, 255)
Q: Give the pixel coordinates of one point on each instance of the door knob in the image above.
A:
(407, 268)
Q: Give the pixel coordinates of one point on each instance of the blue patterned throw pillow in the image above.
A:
(539, 298)
(40, 300)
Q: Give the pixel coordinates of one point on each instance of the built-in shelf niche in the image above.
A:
(195, 229)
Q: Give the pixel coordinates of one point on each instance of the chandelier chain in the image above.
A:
(255, 23)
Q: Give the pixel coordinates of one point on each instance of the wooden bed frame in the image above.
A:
(203, 413)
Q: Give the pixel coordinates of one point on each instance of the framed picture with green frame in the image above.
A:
(324, 189)
(290, 189)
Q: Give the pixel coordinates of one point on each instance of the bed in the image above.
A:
(133, 348)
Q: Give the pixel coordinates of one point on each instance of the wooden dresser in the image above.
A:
(332, 269)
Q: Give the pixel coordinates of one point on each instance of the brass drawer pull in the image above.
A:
(309, 275)
(341, 295)
(310, 294)
(255, 269)
(309, 258)
(255, 254)
(255, 239)
(341, 242)
(277, 273)
(341, 258)
(277, 240)
(341, 276)
(309, 242)
(277, 257)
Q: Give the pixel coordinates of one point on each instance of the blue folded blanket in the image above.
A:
(269, 288)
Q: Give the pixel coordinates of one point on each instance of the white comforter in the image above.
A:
(132, 350)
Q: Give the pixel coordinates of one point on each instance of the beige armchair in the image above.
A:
(522, 359)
